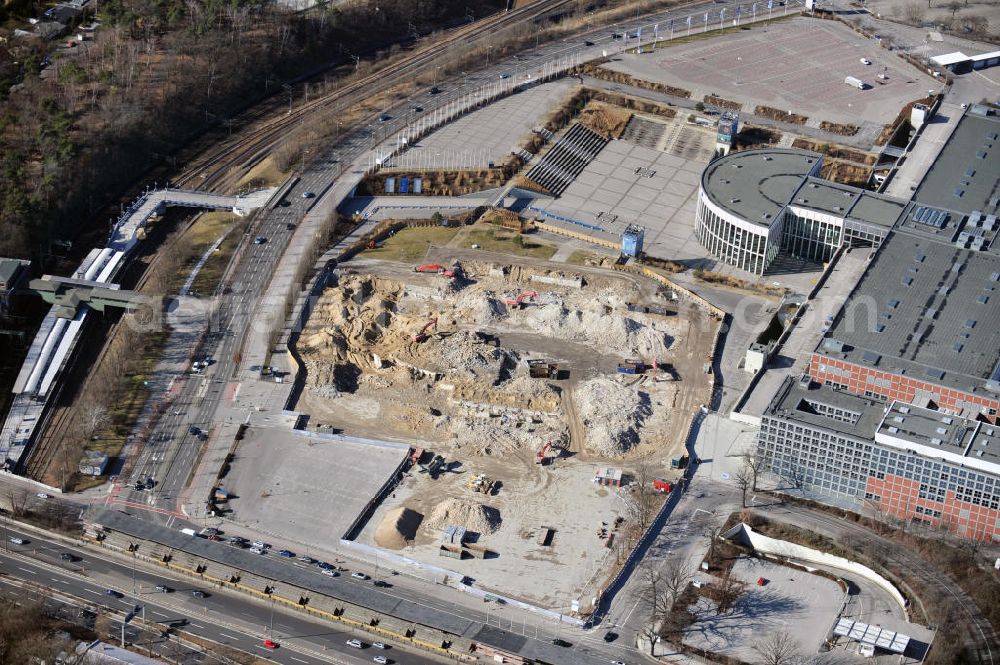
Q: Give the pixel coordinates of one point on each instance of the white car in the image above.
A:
(865, 61)
(257, 550)
(359, 576)
(382, 660)
(378, 645)
(42, 495)
(356, 643)
(260, 544)
(17, 541)
(331, 572)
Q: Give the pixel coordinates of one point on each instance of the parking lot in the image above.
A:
(306, 489)
(803, 604)
(798, 65)
(486, 135)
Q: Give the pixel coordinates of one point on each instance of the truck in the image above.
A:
(189, 532)
(632, 367)
(678, 462)
(855, 82)
(662, 486)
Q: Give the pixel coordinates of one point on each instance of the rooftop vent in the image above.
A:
(893, 303)
(880, 328)
(946, 420)
(870, 357)
(935, 374)
(893, 430)
(767, 158)
(959, 193)
(904, 409)
(813, 185)
(734, 200)
(907, 280)
(958, 347)
(982, 300)
(971, 172)
(898, 419)
(970, 324)
(920, 258)
(981, 154)
(942, 430)
(936, 441)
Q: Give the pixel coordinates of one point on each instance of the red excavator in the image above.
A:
(422, 335)
(430, 267)
(541, 457)
(519, 301)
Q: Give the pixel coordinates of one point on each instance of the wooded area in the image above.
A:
(77, 132)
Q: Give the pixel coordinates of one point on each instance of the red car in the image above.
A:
(761, 581)
(270, 644)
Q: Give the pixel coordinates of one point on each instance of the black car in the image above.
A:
(198, 593)
(610, 636)
(435, 90)
(324, 565)
(66, 556)
(381, 583)
(588, 43)
(194, 430)
(561, 643)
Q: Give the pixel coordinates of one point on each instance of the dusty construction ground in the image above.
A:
(473, 403)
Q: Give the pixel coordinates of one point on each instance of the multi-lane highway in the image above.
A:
(228, 619)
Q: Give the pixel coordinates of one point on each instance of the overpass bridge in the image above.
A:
(90, 287)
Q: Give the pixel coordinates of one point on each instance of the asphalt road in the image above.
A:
(228, 619)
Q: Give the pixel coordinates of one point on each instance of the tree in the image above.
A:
(699, 107)
(743, 479)
(712, 534)
(778, 648)
(913, 13)
(660, 590)
(954, 6)
(95, 418)
(755, 465)
(643, 499)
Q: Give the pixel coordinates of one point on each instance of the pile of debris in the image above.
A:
(612, 415)
(475, 517)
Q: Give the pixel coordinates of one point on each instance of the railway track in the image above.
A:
(980, 634)
(209, 171)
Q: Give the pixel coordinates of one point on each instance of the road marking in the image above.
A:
(228, 636)
(96, 593)
(196, 625)
(33, 572)
(298, 659)
(159, 614)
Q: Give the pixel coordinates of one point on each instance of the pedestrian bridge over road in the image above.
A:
(90, 287)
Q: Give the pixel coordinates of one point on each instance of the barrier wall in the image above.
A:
(787, 550)
(558, 230)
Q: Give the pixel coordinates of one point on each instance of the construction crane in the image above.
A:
(541, 456)
(519, 301)
(422, 335)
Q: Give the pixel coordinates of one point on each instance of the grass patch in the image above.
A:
(265, 174)
(410, 244)
(211, 273)
(201, 235)
(507, 242)
(583, 257)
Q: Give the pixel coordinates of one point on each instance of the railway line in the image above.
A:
(978, 631)
(210, 170)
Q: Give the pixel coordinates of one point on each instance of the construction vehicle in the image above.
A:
(632, 367)
(423, 335)
(663, 486)
(679, 462)
(541, 457)
(415, 455)
(519, 301)
(434, 466)
(429, 267)
(481, 483)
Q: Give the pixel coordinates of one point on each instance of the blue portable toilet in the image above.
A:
(632, 240)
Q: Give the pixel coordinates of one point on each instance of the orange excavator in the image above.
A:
(519, 301)
(422, 335)
(430, 267)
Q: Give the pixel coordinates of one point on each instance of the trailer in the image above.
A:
(855, 82)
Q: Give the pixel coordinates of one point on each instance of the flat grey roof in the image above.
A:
(877, 209)
(756, 183)
(974, 147)
(926, 309)
(944, 432)
(793, 401)
(10, 267)
(827, 196)
(796, 401)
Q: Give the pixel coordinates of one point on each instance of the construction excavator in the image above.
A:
(519, 301)
(541, 457)
(423, 335)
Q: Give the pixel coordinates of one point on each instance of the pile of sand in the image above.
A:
(398, 528)
(612, 415)
(475, 517)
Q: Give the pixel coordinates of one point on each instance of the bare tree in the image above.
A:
(795, 475)
(712, 534)
(727, 592)
(643, 500)
(912, 13)
(18, 499)
(755, 464)
(954, 6)
(744, 480)
(95, 416)
(778, 648)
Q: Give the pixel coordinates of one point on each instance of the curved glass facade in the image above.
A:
(742, 245)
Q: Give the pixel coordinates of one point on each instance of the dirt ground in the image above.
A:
(465, 393)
